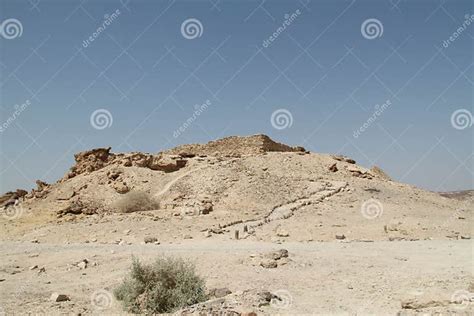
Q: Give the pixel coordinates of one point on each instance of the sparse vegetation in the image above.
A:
(136, 201)
(164, 286)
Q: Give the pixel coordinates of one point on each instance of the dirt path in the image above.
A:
(321, 278)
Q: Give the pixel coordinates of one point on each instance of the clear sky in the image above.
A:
(388, 83)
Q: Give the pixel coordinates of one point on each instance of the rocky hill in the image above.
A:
(274, 229)
(238, 183)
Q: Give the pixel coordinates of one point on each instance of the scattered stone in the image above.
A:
(333, 167)
(82, 264)
(236, 235)
(415, 304)
(34, 267)
(55, 297)
(268, 263)
(150, 240)
(283, 233)
(188, 237)
(206, 208)
(277, 255)
(340, 236)
(465, 237)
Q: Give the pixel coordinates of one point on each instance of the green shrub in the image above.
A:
(164, 286)
(136, 201)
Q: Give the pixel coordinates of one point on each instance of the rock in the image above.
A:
(55, 297)
(283, 233)
(34, 267)
(333, 167)
(188, 237)
(465, 237)
(166, 163)
(277, 255)
(379, 173)
(65, 194)
(206, 208)
(83, 264)
(120, 187)
(219, 292)
(343, 158)
(264, 298)
(268, 263)
(415, 304)
(41, 185)
(340, 236)
(248, 314)
(150, 240)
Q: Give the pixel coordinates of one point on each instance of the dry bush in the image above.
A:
(164, 286)
(136, 201)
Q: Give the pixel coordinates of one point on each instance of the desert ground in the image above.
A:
(274, 228)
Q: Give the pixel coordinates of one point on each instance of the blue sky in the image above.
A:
(320, 69)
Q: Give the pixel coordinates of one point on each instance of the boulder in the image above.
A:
(56, 297)
(268, 263)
